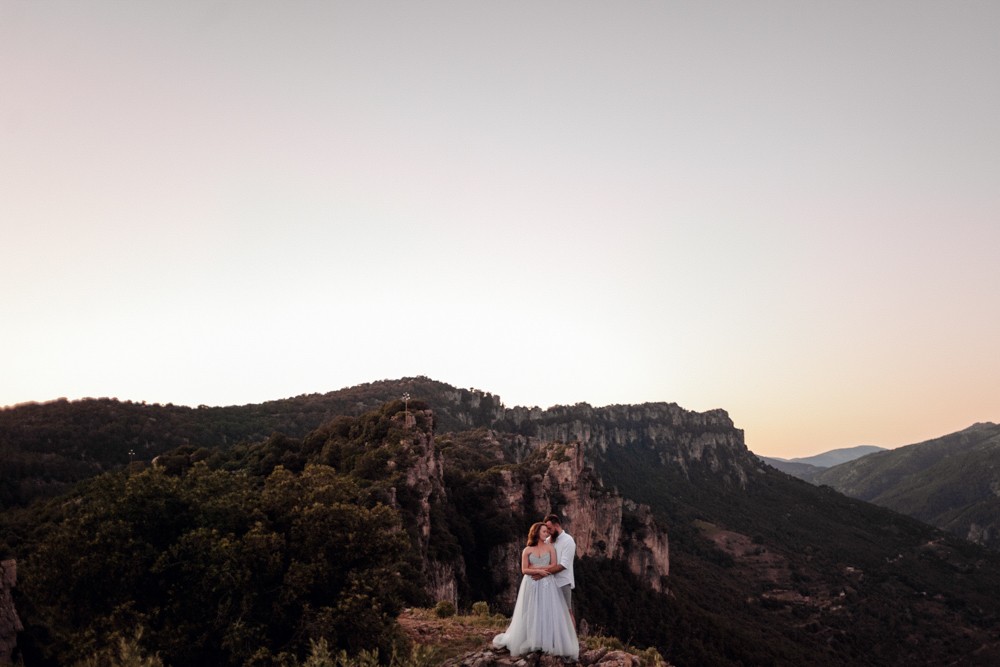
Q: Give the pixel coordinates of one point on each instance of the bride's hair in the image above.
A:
(533, 533)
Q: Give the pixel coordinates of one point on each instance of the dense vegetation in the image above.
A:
(217, 567)
(45, 448)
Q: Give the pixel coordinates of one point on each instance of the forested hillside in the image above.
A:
(952, 482)
(47, 447)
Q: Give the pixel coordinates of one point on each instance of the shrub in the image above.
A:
(444, 609)
(127, 652)
(651, 658)
(480, 609)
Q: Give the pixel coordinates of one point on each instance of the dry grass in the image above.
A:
(452, 636)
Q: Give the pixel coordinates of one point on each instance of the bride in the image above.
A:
(541, 621)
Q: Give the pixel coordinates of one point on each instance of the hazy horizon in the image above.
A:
(787, 210)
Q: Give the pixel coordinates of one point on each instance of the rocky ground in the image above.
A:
(490, 657)
(465, 641)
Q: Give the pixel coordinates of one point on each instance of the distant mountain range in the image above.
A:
(837, 456)
(809, 466)
(687, 541)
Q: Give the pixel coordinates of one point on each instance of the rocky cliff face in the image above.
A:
(571, 442)
(10, 624)
(681, 438)
(540, 461)
(574, 440)
(603, 524)
(425, 478)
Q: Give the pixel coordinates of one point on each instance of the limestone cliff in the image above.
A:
(559, 478)
(575, 440)
(530, 462)
(681, 438)
(684, 439)
(424, 478)
(592, 514)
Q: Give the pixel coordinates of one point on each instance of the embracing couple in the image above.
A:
(543, 614)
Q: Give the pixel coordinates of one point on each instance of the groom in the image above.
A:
(562, 570)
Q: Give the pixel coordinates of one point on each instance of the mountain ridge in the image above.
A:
(808, 467)
(47, 447)
(834, 457)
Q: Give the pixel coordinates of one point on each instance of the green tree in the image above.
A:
(215, 564)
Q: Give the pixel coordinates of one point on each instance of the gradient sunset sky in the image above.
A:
(788, 210)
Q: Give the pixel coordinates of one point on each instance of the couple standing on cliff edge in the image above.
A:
(543, 614)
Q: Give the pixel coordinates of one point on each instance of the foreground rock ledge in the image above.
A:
(491, 657)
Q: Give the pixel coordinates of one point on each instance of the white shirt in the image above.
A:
(565, 547)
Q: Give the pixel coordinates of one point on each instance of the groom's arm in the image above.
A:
(555, 567)
(565, 559)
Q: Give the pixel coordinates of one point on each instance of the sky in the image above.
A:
(787, 210)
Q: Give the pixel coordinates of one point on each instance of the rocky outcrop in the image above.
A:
(603, 524)
(561, 452)
(683, 438)
(680, 437)
(595, 517)
(424, 472)
(425, 479)
(559, 479)
(429, 630)
(10, 623)
(599, 657)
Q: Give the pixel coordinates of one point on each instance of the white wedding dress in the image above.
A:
(541, 621)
